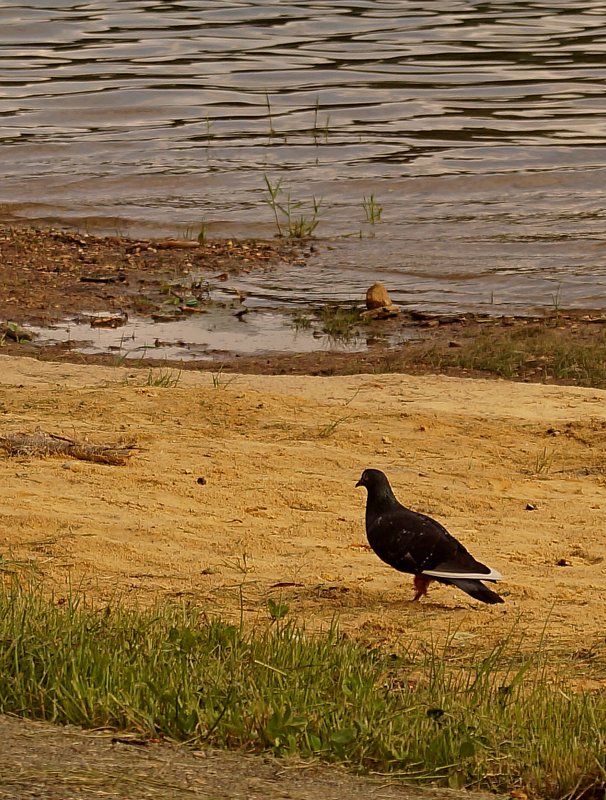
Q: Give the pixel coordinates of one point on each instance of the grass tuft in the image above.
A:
(219, 380)
(339, 323)
(165, 379)
(288, 217)
(171, 671)
(372, 209)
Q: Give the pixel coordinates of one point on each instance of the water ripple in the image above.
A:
(478, 127)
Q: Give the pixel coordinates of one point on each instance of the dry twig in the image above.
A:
(47, 444)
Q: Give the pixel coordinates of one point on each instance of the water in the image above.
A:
(208, 337)
(479, 127)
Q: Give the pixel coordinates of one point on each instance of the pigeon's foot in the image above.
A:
(420, 583)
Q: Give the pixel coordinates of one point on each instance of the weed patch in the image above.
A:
(537, 352)
(340, 323)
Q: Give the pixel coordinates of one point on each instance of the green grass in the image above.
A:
(288, 216)
(218, 379)
(301, 321)
(372, 209)
(166, 379)
(324, 431)
(538, 352)
(337, 322)
(340, 323)
(498, 723)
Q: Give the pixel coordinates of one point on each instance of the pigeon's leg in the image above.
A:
(420, 583)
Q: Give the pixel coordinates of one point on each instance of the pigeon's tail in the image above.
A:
(477, 590)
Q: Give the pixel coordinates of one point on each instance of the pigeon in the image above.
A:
(415, 543)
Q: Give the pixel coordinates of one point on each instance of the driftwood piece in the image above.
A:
(49, 444)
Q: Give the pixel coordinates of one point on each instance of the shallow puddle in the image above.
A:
(204, 336)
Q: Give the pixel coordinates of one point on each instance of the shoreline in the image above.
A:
(51, 275)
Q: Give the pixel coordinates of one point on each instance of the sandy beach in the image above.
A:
(242, 488)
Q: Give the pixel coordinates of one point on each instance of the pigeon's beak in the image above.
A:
(359, 483)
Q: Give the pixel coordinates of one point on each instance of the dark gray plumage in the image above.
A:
(415, 543)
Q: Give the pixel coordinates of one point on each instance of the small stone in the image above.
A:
(563, 562)
(377, 296)
(386, 440)
(530, 507)
(201, 481)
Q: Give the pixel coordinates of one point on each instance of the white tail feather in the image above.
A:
(493, 575)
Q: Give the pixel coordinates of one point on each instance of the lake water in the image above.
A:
(479, 128)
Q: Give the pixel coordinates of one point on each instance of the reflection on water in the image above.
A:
(203, 337)
(478, 127)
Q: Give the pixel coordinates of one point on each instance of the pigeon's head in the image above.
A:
(373, 479)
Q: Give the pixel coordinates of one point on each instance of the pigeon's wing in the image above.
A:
(449, 558)
(461, 564)
(410, 542)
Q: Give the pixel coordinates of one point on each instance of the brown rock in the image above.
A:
(377, 297)
(383, 312)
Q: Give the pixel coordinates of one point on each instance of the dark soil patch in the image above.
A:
(48, 274)
(49, 763)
